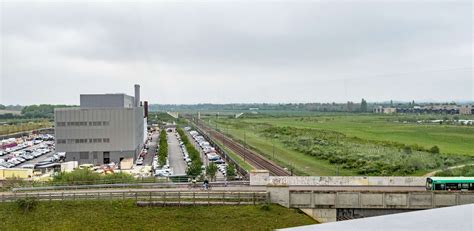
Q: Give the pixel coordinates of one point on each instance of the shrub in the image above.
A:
(434, 149)
(26, 204)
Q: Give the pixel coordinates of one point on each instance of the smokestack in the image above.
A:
(145, 106)
(137, 95)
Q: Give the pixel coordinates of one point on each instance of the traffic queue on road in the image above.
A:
(208, 150)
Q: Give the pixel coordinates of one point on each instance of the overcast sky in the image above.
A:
(237, 52)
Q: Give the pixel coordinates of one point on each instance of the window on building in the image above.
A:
(61, 141)
(106, 140)
(105, 123)
(84, 155)
(61, 124)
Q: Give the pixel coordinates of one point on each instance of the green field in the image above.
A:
(124, 215)
(353, 144)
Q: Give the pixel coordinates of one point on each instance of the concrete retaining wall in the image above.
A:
(263, 178)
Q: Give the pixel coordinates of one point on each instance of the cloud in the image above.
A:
(240, 51)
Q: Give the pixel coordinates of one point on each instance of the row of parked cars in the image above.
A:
(210, 151)
(29, 149)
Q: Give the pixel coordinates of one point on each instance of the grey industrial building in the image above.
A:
(105, 128)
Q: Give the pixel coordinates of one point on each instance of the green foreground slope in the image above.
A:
(124, 215)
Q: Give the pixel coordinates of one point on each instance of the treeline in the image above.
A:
(163, 148)
(40, 111)
(360, 106)
(195, 168)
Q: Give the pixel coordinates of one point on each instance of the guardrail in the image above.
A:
(154, 197)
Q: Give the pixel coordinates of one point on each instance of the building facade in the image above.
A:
(105, 128)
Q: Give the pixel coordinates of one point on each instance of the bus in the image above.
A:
(450, 183)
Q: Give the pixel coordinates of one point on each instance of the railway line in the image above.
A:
(250, 156)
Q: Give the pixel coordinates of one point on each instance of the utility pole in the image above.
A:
(273, 144)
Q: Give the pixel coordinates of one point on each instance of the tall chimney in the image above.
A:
(145, 107)
(137, 95)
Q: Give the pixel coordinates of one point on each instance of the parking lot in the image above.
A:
(34, 151)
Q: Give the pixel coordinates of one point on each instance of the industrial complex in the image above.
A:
(105, 128)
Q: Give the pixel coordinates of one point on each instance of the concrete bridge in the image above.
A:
(330, 206)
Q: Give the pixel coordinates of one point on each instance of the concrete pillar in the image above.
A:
(322, 215)
(279, 195)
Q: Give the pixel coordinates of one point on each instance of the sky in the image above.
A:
(187, 52)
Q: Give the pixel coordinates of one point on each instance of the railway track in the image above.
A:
(251, 157)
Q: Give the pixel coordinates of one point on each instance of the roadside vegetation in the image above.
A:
(162, 148)
(120, 215)
(353, 144)
(88, 177)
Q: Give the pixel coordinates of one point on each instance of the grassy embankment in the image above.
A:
(124, 215)
(22, 126)
(366, 137)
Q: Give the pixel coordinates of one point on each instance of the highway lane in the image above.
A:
(175, 155)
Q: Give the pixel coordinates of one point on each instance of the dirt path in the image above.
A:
(453, 167)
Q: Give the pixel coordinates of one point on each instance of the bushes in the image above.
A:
(163, 148)
(365, 156)
(86, 176)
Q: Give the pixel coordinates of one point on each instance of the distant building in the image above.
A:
(105, 128)
(383, 110)
(465, 110)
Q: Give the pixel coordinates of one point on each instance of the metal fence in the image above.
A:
(150, 197)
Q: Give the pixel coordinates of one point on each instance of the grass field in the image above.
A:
(124, 215)
(376, 140)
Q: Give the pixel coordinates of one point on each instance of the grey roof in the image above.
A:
(458, 218)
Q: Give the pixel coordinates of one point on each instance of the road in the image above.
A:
(152, 150)
(175, 155)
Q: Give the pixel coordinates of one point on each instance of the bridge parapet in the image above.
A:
(378, 200)
(330, 206)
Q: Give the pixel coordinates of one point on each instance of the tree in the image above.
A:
(363, 106)
(194, 169)
(391, 103)
(2, 107)
(230, 172)
(211, 170)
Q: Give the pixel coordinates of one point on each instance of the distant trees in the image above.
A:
(40, 111)
(363, 106)
(2, 107)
